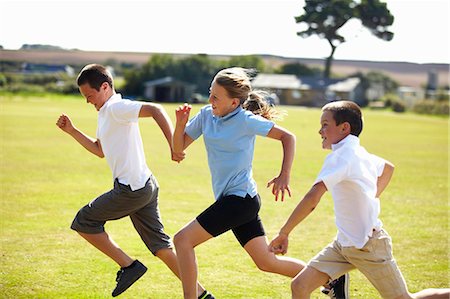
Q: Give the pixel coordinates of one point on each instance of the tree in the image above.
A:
(197, 69)
(158, 66)
(248, 61)
(325, 17)
(297, 69)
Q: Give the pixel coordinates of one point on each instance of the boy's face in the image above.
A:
(220, 101)
(329, 131)
(94, 97)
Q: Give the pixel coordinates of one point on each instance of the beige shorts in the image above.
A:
(374, 260)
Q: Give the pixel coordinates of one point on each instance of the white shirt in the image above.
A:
(120, 138)
(350, 173)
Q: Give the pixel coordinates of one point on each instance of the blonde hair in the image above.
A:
(237, 83)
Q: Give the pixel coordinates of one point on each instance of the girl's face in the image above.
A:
(220, 101)
(329, 131)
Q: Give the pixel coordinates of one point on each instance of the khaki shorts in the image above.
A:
(374, 260)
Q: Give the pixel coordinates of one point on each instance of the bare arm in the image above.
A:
(309, 202)
(281, 182)
(385, 177)
(89, 143)
(161, 117)
(180, 139)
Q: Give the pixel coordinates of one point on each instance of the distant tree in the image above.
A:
(297, 69)
(325, 17)
(377, 81)
(389, 84)
(198, 70)
(158, 66)
(248, 61)
(40, 47)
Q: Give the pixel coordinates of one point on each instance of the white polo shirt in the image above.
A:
(120, 138)
(350, 173)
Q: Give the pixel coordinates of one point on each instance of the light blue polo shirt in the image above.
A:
(230, 142)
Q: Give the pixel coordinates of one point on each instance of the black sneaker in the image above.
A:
(127, 276)
(338, 288)
(206, 295)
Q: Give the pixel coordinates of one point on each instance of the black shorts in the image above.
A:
(240, 214)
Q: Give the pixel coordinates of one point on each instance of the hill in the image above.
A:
(405, 73)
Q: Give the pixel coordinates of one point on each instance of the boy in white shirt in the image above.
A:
(135, 192)
(355, 179)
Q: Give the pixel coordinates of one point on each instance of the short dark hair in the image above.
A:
(95, 75)
(346, 111)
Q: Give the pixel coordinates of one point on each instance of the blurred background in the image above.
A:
(384, 54)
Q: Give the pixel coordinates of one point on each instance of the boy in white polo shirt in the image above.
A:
(355, 179)
(135, 191)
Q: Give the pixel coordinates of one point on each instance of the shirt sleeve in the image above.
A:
(333, 171)
(379, 164)
(126, 111)
(194, 126)
(258, 125)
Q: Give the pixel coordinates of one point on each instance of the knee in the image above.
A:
(409, 296)
(181, 239)
(265, 264)
(299, 288)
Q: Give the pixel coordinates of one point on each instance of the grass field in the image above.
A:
(45, 177)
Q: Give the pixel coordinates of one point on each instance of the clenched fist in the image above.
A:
(65, 124)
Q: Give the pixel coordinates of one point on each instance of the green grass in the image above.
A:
(45, 177)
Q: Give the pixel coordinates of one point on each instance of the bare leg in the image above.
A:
(168, 256)
(258, 249)
(433, 294)
(105, 244)
(185, 241)
(306, 282)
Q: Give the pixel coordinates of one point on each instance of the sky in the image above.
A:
(229, 27)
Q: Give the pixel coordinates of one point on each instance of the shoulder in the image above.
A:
(363, 155)
(205, 112)
(249, 116)
(205, 109)
(338, 160)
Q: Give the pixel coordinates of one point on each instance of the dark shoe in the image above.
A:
(338, 288)
(206, 295)
(127, 276)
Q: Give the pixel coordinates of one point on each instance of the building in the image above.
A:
(410, 95)
(36, 68)
(309, 91)
(168, 89)
(285, 87)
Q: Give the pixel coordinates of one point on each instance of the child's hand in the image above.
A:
(279, 244)
(280, 184)
(65, 124)
(182, 114)
(178, 157)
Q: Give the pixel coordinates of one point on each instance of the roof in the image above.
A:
(47, 68)
(348, 84)
(284, 81)
(165, 81)
(316, 83)
(280, 81)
